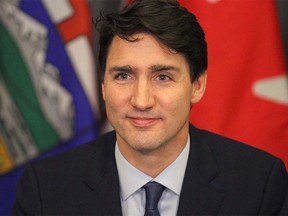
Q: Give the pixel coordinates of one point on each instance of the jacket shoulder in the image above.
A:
(233, 153)
(77, 157)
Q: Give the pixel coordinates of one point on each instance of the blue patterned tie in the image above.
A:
(153, 191)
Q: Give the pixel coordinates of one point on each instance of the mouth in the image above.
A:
(142, 122)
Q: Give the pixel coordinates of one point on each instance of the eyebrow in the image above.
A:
(156, 68)
(153, 68)
(124, 68)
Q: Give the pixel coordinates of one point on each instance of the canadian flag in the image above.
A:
(247, 91)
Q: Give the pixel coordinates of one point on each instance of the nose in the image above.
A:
(142, 97)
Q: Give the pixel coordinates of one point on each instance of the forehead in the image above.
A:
(140, 42)
(143, 49)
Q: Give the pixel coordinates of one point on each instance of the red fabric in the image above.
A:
(244, 47)
(77, 25)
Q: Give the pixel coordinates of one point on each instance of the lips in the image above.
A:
(143, 121)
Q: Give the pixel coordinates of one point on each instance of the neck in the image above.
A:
(153, 162)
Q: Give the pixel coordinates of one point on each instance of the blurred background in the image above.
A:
(50, 99)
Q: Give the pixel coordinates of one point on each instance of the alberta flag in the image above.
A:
(48, 83)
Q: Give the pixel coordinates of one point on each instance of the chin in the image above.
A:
(146, 149)
(145, 146)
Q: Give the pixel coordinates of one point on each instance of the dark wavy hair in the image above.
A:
(172, 24)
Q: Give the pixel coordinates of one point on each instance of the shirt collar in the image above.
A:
(132, 179)
(172, 176)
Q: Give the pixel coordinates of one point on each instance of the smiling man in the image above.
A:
(148, 94)
(153, 60)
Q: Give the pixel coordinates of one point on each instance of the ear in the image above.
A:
(103, 91)
(198, 88)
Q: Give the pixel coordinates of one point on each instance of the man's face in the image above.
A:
(148, 94)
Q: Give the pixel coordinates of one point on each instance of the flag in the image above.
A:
(247, 88)
(48, 84)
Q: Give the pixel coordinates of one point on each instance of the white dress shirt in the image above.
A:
(132, 180)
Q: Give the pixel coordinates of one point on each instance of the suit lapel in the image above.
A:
(100, 191)
(198, 195)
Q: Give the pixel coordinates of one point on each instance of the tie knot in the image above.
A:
(153, 191)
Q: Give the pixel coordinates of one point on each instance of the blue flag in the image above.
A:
(48, 84)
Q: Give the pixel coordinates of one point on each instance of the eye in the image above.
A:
(163, 77)
(122, 76)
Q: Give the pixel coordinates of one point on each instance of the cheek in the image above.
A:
(175, 102)
(115, 99)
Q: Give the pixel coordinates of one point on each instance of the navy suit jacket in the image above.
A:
(223, 177)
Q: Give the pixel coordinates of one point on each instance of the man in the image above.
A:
(153, 58)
